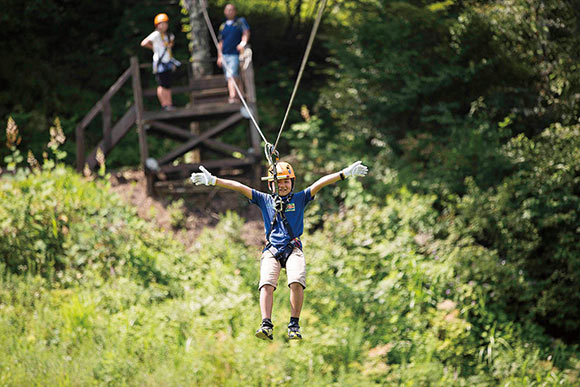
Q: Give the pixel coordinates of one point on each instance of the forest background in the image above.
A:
(456, 261)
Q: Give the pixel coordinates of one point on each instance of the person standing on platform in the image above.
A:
(161, 42)
(234, 34)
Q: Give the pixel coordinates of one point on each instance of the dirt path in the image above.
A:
(187, 219)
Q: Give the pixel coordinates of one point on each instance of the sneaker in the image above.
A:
(294, 332)
(265, 332)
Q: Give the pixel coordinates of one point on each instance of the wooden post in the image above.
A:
(200, 64)
(195, 154)
(107, 143)
(138, 97)
(250, 87)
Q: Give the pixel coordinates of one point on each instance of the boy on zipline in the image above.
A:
(283, 230)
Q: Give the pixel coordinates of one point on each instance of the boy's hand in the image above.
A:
(203, 177)
(355, 169)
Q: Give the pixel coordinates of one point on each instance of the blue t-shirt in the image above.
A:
(231, 35)
(294, 214)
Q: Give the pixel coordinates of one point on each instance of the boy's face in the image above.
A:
(284, 186)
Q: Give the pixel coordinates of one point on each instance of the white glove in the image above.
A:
(355, 169)
(203, 177)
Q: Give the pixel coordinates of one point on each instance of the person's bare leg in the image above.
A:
(231, 87)
(296, 299)
(160, 95)
(168, 99)
(266, 301)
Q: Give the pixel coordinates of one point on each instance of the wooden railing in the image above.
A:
(209, 98)
(103, 106)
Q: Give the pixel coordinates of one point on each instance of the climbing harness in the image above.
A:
(282, 254)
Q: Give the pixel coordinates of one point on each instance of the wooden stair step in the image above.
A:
(210, 92)
(197, 110)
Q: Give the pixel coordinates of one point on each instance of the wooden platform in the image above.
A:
(208, 102)
(199, 111)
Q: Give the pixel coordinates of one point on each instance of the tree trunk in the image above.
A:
(201, 64)
(199, 40)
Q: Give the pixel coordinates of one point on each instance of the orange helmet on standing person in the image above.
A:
(160, 18)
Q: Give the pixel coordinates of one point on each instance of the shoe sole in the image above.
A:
(295, 337)
(262, 335)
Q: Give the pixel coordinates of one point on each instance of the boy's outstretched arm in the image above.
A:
(206, 178)
(355, 169)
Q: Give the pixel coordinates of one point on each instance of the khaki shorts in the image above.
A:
(270, 269)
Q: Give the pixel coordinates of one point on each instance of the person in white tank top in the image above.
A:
(161, 42)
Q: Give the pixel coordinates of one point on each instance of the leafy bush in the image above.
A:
(531, 223)
(383, 304)
(56, 225)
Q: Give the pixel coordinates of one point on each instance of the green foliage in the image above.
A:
(177, 213)
(427, 88)
(108, 298)
(454, 263)
(57, 226)
(531, 221)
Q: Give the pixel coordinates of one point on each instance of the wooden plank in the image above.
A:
(139, 112)
(172, 130)
(104, 106)
(118, 131)
(224, 148)
(251, 96)
(180, 151)
(107, 125)
(209, 82)
(138, 97)
(149, 65)
(123, 125)
(249, 85)
(186, 169)
(137, 90)
(200, 110)
(98, 107)
(210, 92)
(117, 85)
(215, 99)
(180, 133)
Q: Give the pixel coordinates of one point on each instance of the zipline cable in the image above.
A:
(270, 150)
(215, 41)
(302, 66)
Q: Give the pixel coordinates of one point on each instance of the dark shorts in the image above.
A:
(164, 79)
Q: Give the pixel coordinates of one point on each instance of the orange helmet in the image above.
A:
(284, 171)
(160, 18)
